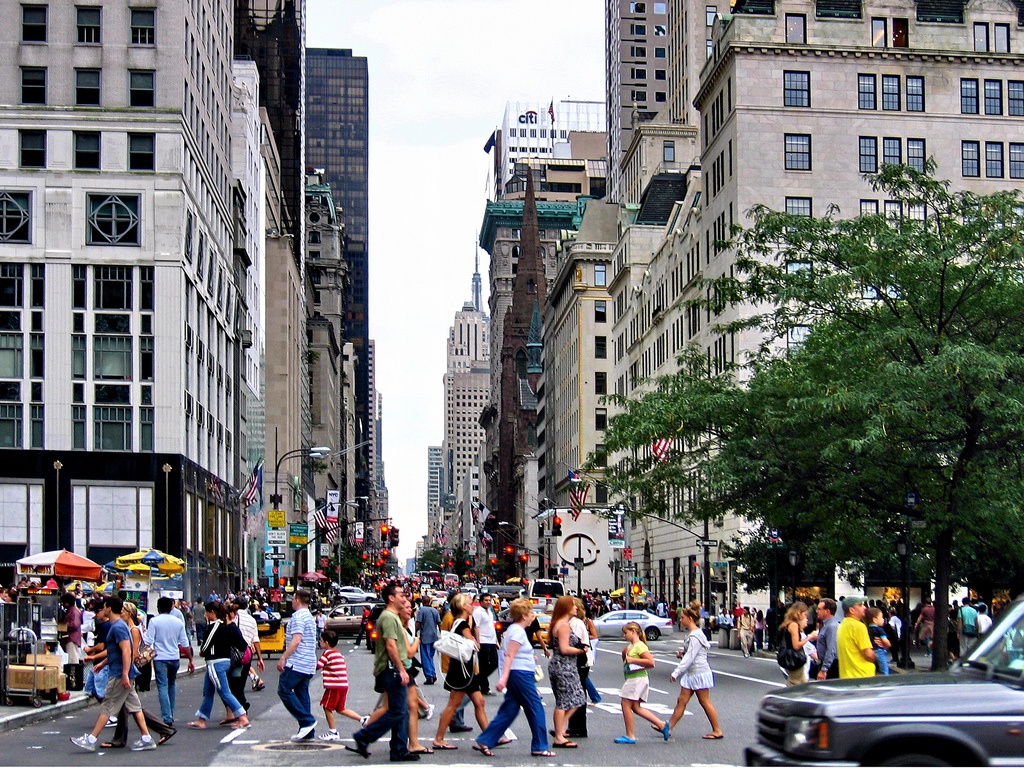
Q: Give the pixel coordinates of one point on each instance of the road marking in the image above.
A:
(245, 741)
(233, 735)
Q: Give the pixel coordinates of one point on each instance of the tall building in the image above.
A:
(119, 423)
(337, 140)
(434, 471)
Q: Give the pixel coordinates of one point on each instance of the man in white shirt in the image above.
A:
(487, 637)
(166, 633)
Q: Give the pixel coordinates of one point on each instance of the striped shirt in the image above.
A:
(334, 667)
(303, 660)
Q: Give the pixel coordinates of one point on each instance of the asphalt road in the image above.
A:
(740, 683)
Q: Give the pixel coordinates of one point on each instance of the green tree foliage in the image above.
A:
(350, 561)
(907, 375)
(432, 559)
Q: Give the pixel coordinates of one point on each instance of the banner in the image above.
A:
(333, 500)
(359, 533)
(617, 530)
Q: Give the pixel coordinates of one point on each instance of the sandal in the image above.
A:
(239, 726)
(444, 746)
(503, 741)
(199, 725)
(545, 753)
(422, 751)
(228, 720)
(565, 744)
(485, 751)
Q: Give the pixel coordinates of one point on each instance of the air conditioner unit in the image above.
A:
(245, 338)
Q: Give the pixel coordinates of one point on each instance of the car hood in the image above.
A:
(911, 694)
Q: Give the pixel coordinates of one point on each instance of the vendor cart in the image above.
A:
(271, 636)
(26, 671)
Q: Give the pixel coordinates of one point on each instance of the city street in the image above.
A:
(740, 683)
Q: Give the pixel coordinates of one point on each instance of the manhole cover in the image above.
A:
(287, 746)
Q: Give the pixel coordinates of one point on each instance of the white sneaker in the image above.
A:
(111, 722)
(305, 733)
(330, 736)
(430, 712)
(83, 742)
(143, 744)
(363, 721)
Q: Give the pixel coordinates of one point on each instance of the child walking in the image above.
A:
(335, 684)
(636, 660)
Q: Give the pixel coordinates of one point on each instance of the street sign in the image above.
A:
(627, 553)
(325, 549)
(911, 499)
(578, 563)
(276, 518)
(564, 571)
(273, 556)
(719, 563)
(298, 533)
(707, 542)
(277, 538)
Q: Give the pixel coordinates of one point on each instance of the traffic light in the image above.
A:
(493, 560)
(365, 556)
(394, 537)
(524, 558)
(451, 563)
(384, 534)
(509, 549)
(469, 562)
(385, 553)
(635, 589)
(556, 526)
(343, 529)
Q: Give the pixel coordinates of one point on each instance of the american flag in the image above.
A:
(330, 530)
(578, 500)
(254, 486)
(486, 538)
(574, 476)
(660, 448)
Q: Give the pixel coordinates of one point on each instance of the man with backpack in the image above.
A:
(968, 625)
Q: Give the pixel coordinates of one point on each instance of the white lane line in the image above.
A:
(237, 742)
(233, 735)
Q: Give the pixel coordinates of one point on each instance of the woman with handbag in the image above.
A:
(792, 641)
(238, 674)
(221, 638)
(581, 638)
(694, 675)
(142, 657)
(461, 679)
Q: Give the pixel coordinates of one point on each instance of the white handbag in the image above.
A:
(455, 646)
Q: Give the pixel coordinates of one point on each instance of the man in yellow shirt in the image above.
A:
(855, 652)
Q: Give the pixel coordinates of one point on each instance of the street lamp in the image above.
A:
(794, 559)
(57, 467)
(903, 549)
(314, 453)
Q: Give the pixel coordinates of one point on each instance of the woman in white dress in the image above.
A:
(694, 674)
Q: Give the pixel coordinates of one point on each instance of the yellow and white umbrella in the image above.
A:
(151, 558)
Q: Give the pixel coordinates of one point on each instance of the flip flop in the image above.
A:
(228, 721)
(240, 726)
(565, 744)
(545, 753)
(444, 746)
(199, 725)
(503, 741)
(712, 736)
(422, 751)
(485, 751)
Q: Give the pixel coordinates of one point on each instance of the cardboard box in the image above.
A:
(20, 676)
(43, 660)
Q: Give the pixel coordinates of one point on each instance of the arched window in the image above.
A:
(521, 364)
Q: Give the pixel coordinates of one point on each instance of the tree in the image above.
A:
(431, 559)
(889, 361)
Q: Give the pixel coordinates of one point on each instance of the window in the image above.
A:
(892, 151)
(796, 89)
(660, 30)
(11, 293)
(600, 383)
(87, 87)
(600, 275)
(968, 96)
(709, 48)
(916, 154)
(661, 8)
(659, 53)
(710, 12)
(33, 23)
(866, 92)
(33, 148)
(798, 151)
(639, 73)
(78, 422)
(993, 97)
(970, 152)
(78, 350)
(113, 287)
(638, 29)
(113, 220)
(638, 51)
(88, 25)
(36, 356)
(868, 207)
(659, 74)
(37, 426)
(915, 94)
(143, 27)
(141, 88)
(146, 429)
(639, 95)
(12, 362)
(601, 418)
(33, 85)
(891, 92)
(878, 33)
(142, 152)
(893, 209)
(1015, 97)
(638, 7)
(14, 217)
(868, 154)
(113, 428)
(1016, 161)
(112, 357)
(600, 311)
(981, 38)
(994, 159)
(798, 206)
(660, 96)
(796, 28)
(900, 33)
(1002, 38)
(10, 426)
(601, 347)
(87, 150)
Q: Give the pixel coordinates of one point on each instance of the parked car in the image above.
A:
(610, 624)
(356, 595)
(371, 627)
(971, 715)
(346, 619)
(505, 618)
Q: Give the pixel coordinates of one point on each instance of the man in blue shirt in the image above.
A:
(120, 690)
(167, 634)
(297, 666)
(427, 622)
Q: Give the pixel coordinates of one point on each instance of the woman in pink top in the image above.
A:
(925, 626)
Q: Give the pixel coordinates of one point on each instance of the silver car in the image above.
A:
(610, 624)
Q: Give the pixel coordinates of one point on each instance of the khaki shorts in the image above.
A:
(636, 689)
(116, 697)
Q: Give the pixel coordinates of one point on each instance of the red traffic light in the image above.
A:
(509, 549)
(384, 530)
(469, 562)
(557, 520)
(635, 589)
(524, 558)
(494, 561)
(365, 556)
(386, 553)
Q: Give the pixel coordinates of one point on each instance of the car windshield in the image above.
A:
(1001, 651)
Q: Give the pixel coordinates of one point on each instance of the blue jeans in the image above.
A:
(427, 660)
(521, 693)
(882, 660)
(592, 691)
(459, 718)
(219, 668)
(166, 675)
(293, 690)
(396, 718)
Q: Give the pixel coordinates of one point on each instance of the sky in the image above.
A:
(440, 73)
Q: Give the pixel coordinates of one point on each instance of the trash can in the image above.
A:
(734, 639)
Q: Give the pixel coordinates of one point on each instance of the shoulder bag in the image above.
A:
(455, 646)
(788, 657)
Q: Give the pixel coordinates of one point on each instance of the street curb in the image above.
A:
(78, 701)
